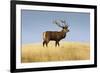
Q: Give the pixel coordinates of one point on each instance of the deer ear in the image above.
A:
(63, 27)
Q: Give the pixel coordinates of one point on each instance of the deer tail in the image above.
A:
(44, 34)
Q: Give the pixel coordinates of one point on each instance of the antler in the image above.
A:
(65, 24)
(57, 23)
(63, 21)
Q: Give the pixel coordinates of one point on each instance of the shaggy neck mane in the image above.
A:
(63, 33)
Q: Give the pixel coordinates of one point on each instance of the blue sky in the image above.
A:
(34, 23)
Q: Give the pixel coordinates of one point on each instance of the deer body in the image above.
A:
(54, 36)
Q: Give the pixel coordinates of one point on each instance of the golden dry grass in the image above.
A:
(66, 51)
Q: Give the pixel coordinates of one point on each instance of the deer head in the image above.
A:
(56, 35)
(62, 24)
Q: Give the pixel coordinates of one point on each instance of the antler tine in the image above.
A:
(66, 25)
(57, 23)
(63, 21)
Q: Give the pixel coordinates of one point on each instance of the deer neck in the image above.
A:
(63, 33)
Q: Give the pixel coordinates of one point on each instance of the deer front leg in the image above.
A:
(58, 43)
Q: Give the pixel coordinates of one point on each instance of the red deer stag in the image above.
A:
(55, 35)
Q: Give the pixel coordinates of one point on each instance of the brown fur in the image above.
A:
(54, 36)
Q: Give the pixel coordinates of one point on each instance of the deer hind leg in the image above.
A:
(47, 43)
(44, 42)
